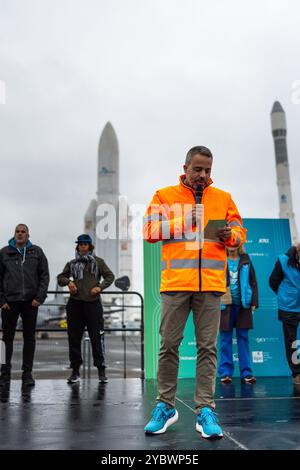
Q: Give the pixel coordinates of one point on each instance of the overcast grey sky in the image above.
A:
(168, 74)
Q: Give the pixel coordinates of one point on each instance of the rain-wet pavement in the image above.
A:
(58, 416)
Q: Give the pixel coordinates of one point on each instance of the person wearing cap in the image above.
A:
(86, 276)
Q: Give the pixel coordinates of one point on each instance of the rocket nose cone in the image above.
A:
(108, 140)
(278, 120)
(277, 108)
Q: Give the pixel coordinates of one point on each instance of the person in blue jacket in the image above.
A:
(242, 300)
(285, 282)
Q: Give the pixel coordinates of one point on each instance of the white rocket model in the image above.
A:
(102, 217)
(90, 220)
(279, 131)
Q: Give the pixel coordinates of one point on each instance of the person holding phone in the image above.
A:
(83, 276)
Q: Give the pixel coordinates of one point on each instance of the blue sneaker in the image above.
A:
(162, 418)
(208, 424)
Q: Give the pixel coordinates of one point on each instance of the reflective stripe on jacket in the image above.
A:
(185, 266)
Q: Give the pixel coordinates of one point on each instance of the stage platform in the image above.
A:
(57, 416)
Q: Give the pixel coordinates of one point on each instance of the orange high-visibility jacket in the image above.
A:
(185, 266)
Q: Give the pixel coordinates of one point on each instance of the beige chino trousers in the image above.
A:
(206, 315)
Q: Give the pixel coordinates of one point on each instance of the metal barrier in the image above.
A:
(124, 330)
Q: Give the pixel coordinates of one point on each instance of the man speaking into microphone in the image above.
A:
(193, 278)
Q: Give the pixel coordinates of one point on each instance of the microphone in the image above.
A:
(199, 193)
(200, 221)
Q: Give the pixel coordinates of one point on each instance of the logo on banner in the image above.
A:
(235, 357)
(266, 340)
(257, 356)
(264, 240)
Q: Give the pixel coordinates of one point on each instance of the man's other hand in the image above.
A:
(95, 290)
(224, 233)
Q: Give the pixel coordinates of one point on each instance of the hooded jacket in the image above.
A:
(24, 274)
(285, 282)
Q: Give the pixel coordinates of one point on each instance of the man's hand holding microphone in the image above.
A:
(196, 217)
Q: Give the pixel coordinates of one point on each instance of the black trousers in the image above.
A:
(10, 317)
(82, 314)
(290, 335)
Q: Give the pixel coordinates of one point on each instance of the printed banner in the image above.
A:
(266, 239)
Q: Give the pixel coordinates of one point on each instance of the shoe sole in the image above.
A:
(226, 381)
(207, 436)
(73, 381)
(168, 423)
(103, 381)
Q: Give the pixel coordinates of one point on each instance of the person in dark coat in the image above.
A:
(241, 300)
(24, 280)
(86, 277)
(285, 282)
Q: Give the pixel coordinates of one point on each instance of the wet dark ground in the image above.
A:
(55, 415)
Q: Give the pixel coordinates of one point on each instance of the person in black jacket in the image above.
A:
(83, 276)
(24, 280)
